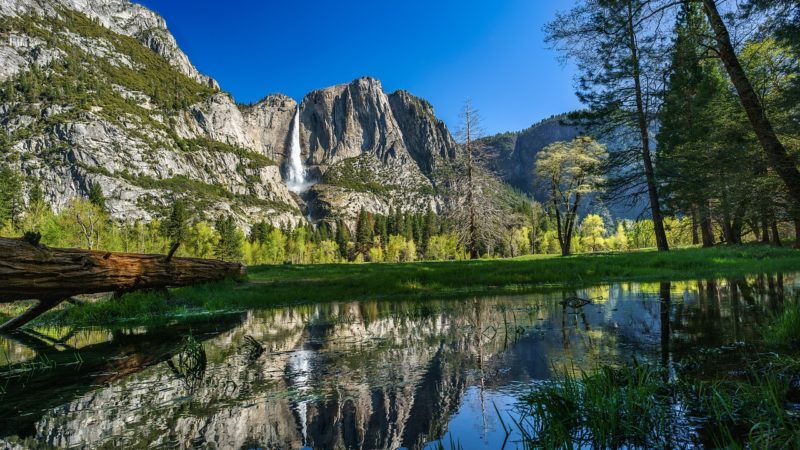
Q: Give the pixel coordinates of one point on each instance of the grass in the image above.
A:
(628, 407)
(784, 332)
(735, 397)
(291, 284)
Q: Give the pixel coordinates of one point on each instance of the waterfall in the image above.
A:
(296, 172)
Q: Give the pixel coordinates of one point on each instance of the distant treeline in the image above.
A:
(395, 237)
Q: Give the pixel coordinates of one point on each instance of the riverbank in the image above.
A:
(290, 284)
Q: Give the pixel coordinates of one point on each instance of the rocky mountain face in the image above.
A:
(511, 156)
(98, 92)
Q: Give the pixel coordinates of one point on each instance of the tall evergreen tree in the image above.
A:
(686, 120)
(260, 231)
(342, 238)
(10, 195)
(229, 247)
(176, 226)
(618, 45)
(96, 196)
(364, 232)
(429, 228)
(382, 230)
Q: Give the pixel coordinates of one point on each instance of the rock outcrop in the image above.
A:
(511, 156)
(119, 16)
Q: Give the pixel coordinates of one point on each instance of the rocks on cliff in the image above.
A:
(145, 143)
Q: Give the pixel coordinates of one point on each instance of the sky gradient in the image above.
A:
(444, 51)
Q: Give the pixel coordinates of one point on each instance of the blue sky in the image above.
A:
(442, 50)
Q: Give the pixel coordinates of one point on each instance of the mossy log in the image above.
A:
(51, 275)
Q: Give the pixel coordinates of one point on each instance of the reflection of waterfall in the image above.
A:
(296, 177)
(299, 367)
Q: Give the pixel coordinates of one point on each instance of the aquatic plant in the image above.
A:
(755, 413)
(784, 331)
(629, 407)
(189, 365)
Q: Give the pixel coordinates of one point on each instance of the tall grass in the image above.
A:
(627, 407)
(784, 331)
(760, 411)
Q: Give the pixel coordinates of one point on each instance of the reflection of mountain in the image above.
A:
(367, 375)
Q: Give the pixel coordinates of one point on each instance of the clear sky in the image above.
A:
(442, 50)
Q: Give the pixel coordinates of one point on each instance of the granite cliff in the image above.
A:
(98, 92)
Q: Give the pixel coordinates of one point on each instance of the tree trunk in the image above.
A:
(652, 188)
(764, 228)
(776, 237)
(706, 228)
(695, 227)
(30, 271)
(777, 156)
(797, 231)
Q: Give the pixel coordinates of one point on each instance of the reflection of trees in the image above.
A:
(665, 304)
(374, 374)
(724, 311)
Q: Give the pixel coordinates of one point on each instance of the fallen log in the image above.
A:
(51, 275)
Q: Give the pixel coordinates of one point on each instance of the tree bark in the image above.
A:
(776, 237)
(30, 271)
(706, 228)
(797, 231)
(777, 156)
(764, 228)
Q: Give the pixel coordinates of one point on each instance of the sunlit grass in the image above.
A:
(291, 284)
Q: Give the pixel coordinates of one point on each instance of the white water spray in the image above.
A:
(296, 177)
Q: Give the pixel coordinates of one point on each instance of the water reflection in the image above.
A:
(361, 375)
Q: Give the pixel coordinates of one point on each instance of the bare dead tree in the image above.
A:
(474, 204)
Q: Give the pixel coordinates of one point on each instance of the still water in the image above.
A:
(355, 375)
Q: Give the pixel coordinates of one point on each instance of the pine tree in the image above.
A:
(682, 152)
(10, 195)
(342, 237)
(364, 232)
(96, 196)
(35, 193)
(429, 228)
(260, 231)
(408, 227)
(229, 247)
(176, 226)
(382, 230)
(619, 47)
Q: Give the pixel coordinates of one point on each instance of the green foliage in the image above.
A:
(627, 407)
(256, 160)
(364, 232)
(571, 171)
(400, 249)
(175, 227)
(10, 195)
(352, 174)
(96, 196)
(229, 245)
